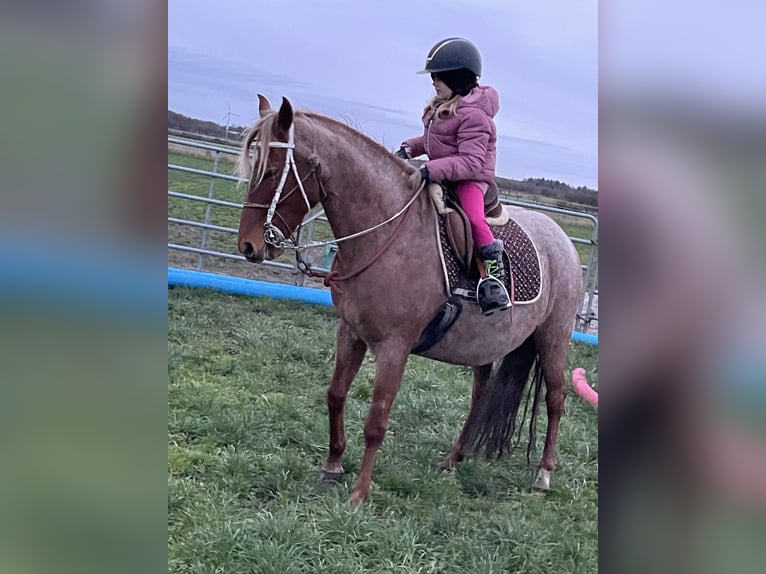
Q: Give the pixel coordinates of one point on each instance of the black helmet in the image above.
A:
(453, 54)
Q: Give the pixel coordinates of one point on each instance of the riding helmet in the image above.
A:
(453, 54)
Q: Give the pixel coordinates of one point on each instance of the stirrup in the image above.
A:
(492, 295)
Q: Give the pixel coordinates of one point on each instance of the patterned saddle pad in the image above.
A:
(521, 257)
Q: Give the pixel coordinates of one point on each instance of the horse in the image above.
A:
(387, 284)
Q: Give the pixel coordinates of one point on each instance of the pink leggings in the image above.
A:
(472, 200)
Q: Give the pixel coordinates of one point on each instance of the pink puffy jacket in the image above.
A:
(463, 146)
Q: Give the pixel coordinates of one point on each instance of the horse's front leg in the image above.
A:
(349, 355)
(457, 452)
(390, 360)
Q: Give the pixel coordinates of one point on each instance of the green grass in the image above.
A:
(247, 434)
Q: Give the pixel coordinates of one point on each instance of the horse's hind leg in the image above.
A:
(349, 355)
(553, 346)
(457, 452)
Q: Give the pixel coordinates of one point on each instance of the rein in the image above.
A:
(274, 236)
(332, 278)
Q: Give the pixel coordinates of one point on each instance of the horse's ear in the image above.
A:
(285, 114)
(264, 106)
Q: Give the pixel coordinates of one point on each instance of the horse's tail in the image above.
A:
(492, 421)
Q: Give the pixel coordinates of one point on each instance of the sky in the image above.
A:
(357, 61)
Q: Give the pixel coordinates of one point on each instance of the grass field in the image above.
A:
(247, 434)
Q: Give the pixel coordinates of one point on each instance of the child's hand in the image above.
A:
(403, 152)
(420, 177)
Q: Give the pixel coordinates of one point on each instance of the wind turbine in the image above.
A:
(228, 117)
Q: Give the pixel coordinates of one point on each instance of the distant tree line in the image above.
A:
(549, 188)
(181, 123)
(558, 191)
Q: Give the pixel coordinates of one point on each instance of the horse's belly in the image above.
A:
(478, 340)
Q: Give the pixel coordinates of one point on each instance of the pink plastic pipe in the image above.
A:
(582, 387)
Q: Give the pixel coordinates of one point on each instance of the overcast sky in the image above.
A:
(357, 61)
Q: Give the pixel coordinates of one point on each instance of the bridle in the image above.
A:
(273, 235)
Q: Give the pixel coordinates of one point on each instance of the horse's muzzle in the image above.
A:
(269, 252)
(250, 253)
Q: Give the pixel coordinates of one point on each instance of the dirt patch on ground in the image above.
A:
(200, 153)
(191, 151)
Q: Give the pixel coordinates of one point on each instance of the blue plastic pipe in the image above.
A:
(587, 338)
(239, 286)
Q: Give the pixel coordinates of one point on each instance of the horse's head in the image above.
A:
(284, 180)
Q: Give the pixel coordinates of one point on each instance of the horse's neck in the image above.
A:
(365, 186)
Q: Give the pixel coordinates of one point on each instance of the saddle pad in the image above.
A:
(521, 257)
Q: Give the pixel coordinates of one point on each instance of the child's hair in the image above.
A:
(443, 109)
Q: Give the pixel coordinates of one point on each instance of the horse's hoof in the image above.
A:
(542, 482)
(330, 478)
(359, 495)
(357, 499)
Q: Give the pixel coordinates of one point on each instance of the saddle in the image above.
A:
(457, 228)
(520, 255)
(457, 254)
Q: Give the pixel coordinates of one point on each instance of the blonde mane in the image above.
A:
(260, 133)
(352, 131)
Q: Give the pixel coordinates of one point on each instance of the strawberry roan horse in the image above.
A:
(389, 284)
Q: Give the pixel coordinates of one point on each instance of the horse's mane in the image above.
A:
(260, 133)
(352, 131)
